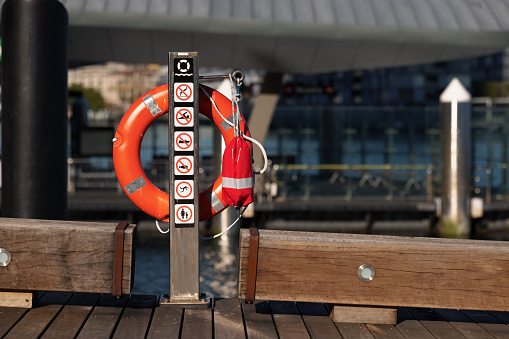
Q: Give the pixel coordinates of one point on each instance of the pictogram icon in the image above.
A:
(184, 165)
(183, 92)
(184, 67)
(184, 141)
(184, 213)
(184, 189)
(184, 117)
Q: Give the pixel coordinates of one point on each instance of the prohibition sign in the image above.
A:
(184, 141)
(183, 92)
(184, 165)
(184, 117)
(184, 214)
(183, 189)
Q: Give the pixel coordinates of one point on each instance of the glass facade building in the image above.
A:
(377, 132)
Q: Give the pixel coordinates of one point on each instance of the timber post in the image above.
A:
(67, 256)
(374, 274)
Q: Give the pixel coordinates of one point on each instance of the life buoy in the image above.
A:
(127, 143)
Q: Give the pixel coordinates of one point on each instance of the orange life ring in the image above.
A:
(127, 143)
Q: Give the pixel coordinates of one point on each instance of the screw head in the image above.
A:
(366, 272)
(5, 257)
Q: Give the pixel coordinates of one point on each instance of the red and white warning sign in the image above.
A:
(184, 213)
(183, 138)
(183, 92)
(184, 117)
(184, 189)
(184, 141)
(184, 165)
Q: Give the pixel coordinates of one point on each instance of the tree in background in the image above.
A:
(94, 97)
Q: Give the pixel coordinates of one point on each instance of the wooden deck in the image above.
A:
(82, 315)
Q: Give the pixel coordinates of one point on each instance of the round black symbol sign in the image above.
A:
(184, 66)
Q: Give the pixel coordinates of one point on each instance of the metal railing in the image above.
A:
(99, 174)
(349, 181)
(383, 181)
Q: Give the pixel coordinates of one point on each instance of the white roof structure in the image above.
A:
(303, 36)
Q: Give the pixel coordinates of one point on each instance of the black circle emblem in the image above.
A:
(184, 66)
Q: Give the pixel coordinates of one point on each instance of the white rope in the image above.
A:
(159, 228)
(206, 238)
(265, 160)
(226, 230)
(215, 106)
(236, 128)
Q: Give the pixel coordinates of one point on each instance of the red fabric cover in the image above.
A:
(238, 178)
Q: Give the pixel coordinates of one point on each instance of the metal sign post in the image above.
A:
(183, 175)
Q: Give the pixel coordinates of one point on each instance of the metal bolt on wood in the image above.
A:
(5, 257)
(366, 272)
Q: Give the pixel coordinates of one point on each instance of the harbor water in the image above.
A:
(218, 264)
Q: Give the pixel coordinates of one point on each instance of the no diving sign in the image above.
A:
(183, 92)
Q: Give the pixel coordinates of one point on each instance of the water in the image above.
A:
(218, 265)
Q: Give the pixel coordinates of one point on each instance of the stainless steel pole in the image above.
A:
(183, 94)
(456, 139)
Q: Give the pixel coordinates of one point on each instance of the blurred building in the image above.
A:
(402, 86)
(120, 84)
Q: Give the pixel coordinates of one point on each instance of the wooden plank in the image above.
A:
(364, 314)
(228, 322)
(136, 317)
(22, 299)
(9, 316)
(354, 331)
(61, 255)
(463, 324)
(420, 272)
(35, 322)
(166, 323)
(197, 323)
(435, 323)
(129, 259)
(288, 321)
(317, 321)
(104, 318)
(410, 327)
(258, 320)
(73, 315)
(489, 323)
(384, 331)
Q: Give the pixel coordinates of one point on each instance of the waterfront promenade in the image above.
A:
(333, 214)
(81, 315)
